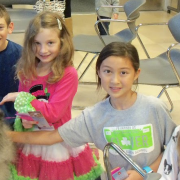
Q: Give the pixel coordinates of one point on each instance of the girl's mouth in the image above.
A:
(115, 89)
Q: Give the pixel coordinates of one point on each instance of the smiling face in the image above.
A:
(4, 31)
(47, 43)
(117, 76)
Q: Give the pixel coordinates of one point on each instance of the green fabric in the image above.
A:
(23, 105)
(95, 172)
(14, 175)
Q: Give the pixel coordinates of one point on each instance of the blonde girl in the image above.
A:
(48, 83)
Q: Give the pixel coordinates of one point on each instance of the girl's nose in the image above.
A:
(115, 78)
(43, 49)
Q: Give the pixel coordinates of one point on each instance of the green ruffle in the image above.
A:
(95, 172)
(23, 105)
(92, 175)
(14, 175)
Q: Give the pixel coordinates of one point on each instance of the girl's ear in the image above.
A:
(10, 27)
(137, 74)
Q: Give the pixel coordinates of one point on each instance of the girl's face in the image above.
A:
(117, 76)
(47, 45)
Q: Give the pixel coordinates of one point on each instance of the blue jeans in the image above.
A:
(106, 24)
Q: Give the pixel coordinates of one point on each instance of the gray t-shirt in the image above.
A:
(141, 130)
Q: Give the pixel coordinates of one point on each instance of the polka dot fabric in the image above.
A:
(23, 105)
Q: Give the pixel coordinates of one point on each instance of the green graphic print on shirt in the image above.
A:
(132, 139)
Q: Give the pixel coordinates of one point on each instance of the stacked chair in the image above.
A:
(95, 43)
(164, 70)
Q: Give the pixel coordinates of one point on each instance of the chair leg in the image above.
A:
(88, 66)
(82, 61)
(167, 95)
(143, 46)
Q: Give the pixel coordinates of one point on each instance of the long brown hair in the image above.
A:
(26, 66)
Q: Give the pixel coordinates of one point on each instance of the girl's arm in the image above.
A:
(39, 138)
(155, 165)
(134, 175)
(115, 16)
(9, 97)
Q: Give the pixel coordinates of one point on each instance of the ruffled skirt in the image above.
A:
(55, 162)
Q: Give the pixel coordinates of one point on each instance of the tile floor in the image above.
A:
(156, 39)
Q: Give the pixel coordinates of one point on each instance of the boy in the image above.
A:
(106, 13)
(9, 54)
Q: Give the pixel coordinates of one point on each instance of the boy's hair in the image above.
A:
(26, 66)
(4, 14)
(118, 49)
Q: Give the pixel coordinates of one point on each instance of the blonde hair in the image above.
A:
(26, 66)
(4, 14)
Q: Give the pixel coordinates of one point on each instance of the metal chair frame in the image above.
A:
(100, 37)
(168, 53)
(132, 15)
(146, 176)
(147, 24)
(97, 32)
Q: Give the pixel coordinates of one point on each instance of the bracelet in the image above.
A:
(147, 169)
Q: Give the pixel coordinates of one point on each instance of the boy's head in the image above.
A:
(6, 27)
(4, 14)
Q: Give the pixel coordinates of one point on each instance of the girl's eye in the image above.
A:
(50, 43)
(37, 43)
(107, 71)
(123, 73)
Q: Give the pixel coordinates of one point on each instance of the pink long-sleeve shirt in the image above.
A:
(57, 109)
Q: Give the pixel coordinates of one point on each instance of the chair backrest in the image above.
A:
(131, 8)
(10, 2)
(174, 27)
(173, 52)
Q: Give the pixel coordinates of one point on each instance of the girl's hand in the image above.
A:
(115, 16)
(133, 175)
(28, 124)
(9, 97)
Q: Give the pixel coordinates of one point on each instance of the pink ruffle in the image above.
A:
(34, 167)
(84, 162)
